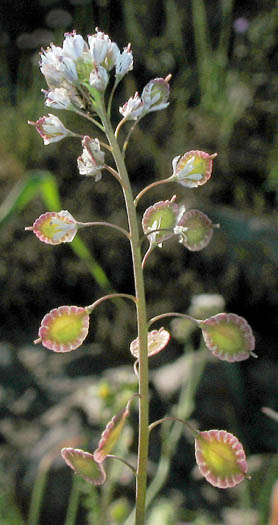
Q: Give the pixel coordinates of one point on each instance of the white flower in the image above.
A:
(103, 51)
(61, 98)
(91, 162)
(124, 63)
(50, 128)
(99, 78)
(133, 108)
(57, 68)
(74, 46)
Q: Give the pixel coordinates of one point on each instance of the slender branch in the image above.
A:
(147, 188)
(92, 306)
(106, 146)
(170, 418)
(114, 173)
(123, 461)
(88, 117)
(111, 97)
(172, 314)
(119, 126)
(103, 223)
(129, 135)
(148, 252)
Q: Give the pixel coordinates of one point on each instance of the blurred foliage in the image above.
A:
(223, 57)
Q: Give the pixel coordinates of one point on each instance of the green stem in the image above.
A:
(38, 491)
(143, 443)
(73, 503)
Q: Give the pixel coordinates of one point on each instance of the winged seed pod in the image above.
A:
(220, 458)
(162, 215)
(85, 465)
(196, 230)
(111, 434)
(192, 169)
(157, 340)
(54, 228)
(228, 336)
(64, 329)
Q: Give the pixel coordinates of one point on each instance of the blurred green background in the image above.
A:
(224, 89)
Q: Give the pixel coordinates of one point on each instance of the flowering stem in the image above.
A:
(101, 223)
(147, 188)
(141, 480)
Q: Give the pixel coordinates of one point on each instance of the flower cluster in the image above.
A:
(80, 64)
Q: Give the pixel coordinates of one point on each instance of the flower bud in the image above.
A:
(124, 63)
(155, 95)
(133, 108)
(74, 46)
(99, 78)
(193, 168)
(51, 129)
(57, 68)
(62, 98)
(103, 51)
(91, 162)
